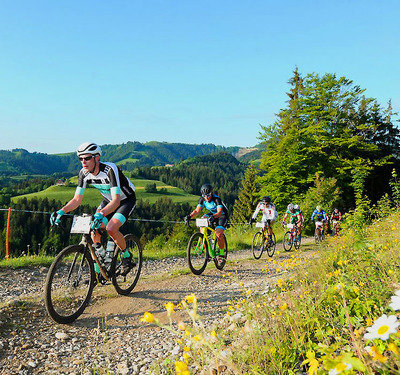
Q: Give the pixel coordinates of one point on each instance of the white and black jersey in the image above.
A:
(109, 181)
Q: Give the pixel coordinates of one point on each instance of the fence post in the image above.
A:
(8, 234)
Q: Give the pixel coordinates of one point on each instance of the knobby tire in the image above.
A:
(220, 265)
(287, 241)
(258, 245)
(124, 284)
(197, 253)
(271, 247)
(69, 284)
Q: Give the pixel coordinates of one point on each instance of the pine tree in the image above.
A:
(247, 198)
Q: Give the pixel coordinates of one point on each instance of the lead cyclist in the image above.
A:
(119, 199)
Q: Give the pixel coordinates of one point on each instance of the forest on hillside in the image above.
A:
(330, 146)
(127, 155)
(221, 169)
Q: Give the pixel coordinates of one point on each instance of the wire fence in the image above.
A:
(129, 219)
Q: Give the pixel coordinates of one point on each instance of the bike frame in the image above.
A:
(203, 223)
(81, 225)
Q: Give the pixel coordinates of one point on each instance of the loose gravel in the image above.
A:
(109, 337)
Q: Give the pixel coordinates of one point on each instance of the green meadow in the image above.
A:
(92, 197)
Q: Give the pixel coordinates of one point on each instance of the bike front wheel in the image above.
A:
(69, 284)
(287, 241)
(197, 253)
(124, 282)
(258, 245)
(271, 246)
(220, 260)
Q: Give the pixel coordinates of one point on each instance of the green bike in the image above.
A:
(203, 247)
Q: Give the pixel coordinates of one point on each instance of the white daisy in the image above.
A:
(382, 328)
(395, 305)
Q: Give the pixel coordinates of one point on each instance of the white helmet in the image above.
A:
(88, 148)
(296, 207)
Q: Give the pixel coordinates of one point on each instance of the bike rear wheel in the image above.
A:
(124, 284)
(271, 246)
(220, 260)
(258, 245)
(287, 241)
(69, 284)
(297, 242)
(197, 253)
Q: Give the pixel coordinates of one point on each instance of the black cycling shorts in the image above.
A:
(124, 210)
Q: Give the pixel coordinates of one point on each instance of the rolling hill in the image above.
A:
(127, 155)
(92, 197)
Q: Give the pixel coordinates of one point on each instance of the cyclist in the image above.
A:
(119, 199)
(321, 218)
(217, 215)
(269, 214)
(336, 217)
(295, 217)
(301, 223)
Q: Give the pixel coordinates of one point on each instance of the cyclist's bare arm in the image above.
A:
(195, 212)
(219, 213)
(112, 205)
(74, 203)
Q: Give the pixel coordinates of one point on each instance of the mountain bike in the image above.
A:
(71, 277)
(262, 242)
(203, 247)
(291, 238)
(319, 234)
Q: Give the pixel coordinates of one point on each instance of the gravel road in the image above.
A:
(109, 335)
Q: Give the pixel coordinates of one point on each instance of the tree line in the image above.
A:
(330, 146)
(220, 169)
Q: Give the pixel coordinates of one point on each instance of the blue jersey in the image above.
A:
(213, 205)
(319, 215)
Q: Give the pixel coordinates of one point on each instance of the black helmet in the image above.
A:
(206, 189)
(266, 199)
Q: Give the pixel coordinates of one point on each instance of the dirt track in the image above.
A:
(32, 343)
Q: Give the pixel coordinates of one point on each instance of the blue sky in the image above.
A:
(178, 71)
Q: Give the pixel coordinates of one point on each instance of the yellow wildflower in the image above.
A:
(170, 308)
(284, 306)
(191, 298)
(148, 318)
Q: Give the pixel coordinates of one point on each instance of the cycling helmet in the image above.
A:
(290, 207)
(88, 148)
(318, 208)
(206, 189)
(296, 207)
(266, 199)
(335, 210)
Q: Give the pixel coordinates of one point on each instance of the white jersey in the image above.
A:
(269, 212)
(109, 181)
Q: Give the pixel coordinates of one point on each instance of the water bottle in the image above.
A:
(100, 252)
(109, 253)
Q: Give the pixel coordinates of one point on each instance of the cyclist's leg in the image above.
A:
(219, 231)
(117, 219)
(269, 228)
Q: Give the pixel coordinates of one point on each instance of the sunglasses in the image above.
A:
(206, 195)
(86, 158)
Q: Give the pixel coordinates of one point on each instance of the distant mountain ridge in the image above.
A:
(128, 155)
